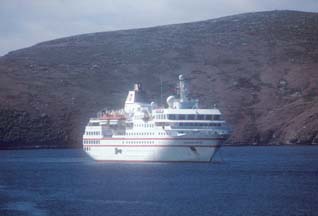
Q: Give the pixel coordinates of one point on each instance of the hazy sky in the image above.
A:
(26, 22)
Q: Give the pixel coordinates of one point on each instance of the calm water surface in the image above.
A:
(241, 181)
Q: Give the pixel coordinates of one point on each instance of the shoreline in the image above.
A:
(226, 145)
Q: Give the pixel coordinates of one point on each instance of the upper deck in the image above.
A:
(213, 111)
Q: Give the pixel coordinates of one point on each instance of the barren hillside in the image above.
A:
(261, 69)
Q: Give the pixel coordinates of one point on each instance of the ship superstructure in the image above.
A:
(142, 131)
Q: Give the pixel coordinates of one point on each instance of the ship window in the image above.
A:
(200, 117)
(171, 117)
(182, 117)
(208, 117)
(216, 117)
(191, 117)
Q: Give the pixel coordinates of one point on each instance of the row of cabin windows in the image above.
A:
(187, 124)
(91, 142)
(194, 117)
(140, 133)
(138, 142)
(160, 116)
(93, 124)
(92, 133)
(144, 125)
(199, 124)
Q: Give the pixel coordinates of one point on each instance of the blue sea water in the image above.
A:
(241, 181)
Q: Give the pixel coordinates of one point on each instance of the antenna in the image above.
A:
(160, 90)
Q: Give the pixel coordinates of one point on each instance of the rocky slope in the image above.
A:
(260, 68)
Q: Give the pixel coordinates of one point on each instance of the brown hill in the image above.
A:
(260, 68)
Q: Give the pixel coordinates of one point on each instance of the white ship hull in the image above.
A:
(169, 152)
(151, 154)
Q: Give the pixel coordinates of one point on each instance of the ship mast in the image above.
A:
(183, 89)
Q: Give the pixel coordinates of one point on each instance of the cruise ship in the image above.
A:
(145, 132)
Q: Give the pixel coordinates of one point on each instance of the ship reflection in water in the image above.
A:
(244, 181)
